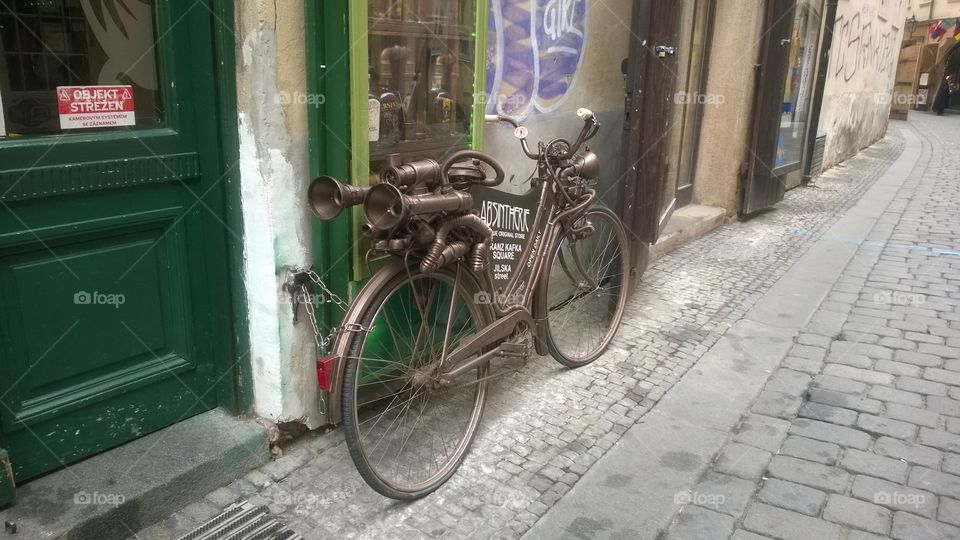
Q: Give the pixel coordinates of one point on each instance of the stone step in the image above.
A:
(121, 491)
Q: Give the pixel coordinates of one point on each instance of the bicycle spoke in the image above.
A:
(587, 291)
(410, 430)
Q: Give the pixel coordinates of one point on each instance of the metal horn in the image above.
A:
(425, 171)
(386, 207)
(328, 197)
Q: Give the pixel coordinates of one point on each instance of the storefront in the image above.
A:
(418, 79)
(415, 68)
(798, 92)
(116, 242)
(787, 101)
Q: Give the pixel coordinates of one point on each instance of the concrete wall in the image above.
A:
(725, 131)
(271, 77)
(863, 60)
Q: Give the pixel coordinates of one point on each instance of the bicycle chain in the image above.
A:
(323, 341)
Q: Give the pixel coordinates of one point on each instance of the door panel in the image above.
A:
(763, 187)
(114, 300)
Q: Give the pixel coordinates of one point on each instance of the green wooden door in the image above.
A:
(115, 316)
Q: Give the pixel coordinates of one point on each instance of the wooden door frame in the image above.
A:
(328, 75)
(235, 389)
(635, 189)
(769, 83)
(685, 193)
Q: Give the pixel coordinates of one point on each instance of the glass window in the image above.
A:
(802, 59)
(45, 44)
(420, 77)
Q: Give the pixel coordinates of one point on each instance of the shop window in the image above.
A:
(46, 44)
(804, 41)
(421, 73)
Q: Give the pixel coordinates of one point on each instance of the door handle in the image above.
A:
(663, 51)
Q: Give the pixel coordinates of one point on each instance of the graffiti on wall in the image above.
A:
(535, 51)
(866, 41)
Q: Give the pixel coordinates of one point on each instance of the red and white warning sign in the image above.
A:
(95, 106)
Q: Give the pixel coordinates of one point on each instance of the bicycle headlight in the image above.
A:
(587, 165)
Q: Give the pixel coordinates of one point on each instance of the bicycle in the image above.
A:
(411, 362)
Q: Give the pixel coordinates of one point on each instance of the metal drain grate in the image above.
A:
(242, 521)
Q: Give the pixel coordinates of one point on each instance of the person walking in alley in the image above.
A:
(950, 85)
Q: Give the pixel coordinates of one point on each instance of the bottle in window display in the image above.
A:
(442, 112)
(393, 61)
(391, 118)
(373, 111)
(412, 103)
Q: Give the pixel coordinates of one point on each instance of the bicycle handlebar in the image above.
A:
(589, 130)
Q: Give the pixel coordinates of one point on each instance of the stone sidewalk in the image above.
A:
(547, 428)
(856, 433)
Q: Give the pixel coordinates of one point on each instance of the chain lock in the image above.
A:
(300, 287)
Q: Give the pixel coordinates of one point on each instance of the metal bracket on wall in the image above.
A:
(8, 490)
(299, 287)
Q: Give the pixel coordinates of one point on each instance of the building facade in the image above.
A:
(860, 78)
(931, 34)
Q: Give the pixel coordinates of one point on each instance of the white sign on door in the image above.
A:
(95, 106)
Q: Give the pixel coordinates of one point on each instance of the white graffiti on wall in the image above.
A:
(559, 17)
(535, 51)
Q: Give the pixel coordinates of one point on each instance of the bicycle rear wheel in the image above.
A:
(586, 291)
(407, 433)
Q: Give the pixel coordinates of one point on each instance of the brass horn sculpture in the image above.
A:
(386, 207)
(328, 197)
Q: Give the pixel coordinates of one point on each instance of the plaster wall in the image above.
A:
(272, 114)
(725, 131)
(860, 77)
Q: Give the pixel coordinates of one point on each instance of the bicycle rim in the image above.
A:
(406, 434)
(586, 290)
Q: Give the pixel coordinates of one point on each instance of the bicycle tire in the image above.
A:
(352, 401)
(558, 278)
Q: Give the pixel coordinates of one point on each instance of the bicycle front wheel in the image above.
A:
(407, 432)
(586, 291)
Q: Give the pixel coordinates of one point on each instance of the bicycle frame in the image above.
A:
(525, 282)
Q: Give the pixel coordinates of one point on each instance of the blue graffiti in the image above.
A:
(535, 50)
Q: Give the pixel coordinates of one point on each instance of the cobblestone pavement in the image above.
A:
(545, 426)
(857, 435)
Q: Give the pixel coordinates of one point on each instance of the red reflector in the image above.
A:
(325, 372)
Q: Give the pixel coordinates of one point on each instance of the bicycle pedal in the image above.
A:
(513, 349)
